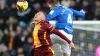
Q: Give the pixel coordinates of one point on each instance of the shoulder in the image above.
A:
(44, 23)
(47, 24)
(71, 9)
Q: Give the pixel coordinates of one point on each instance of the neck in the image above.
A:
(57, 5)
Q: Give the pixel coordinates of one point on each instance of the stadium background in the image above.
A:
(15, 32)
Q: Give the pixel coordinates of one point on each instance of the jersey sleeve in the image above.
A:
(52, 14)
(55, 31)
(78, 13)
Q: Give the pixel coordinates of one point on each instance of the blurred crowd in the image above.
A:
(15, 29)
(86, 42)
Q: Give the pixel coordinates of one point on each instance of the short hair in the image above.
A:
(54, 2)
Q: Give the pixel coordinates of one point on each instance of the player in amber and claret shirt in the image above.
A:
(41, 36)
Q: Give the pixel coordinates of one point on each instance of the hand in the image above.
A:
(72, 45)
(82, 11)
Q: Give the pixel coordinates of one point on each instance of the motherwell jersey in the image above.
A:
(41, 34)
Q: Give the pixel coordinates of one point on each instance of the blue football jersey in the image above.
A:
(64, 17)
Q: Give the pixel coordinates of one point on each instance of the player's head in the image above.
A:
(41, 15)
(65, 3)
(53, 3)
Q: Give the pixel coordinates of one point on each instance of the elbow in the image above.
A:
(83, 15)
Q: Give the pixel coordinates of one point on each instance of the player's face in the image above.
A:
(39, 16)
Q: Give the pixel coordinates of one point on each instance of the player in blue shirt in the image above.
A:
(64, 16)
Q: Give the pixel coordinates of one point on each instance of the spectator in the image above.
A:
(14, 41)
(20, 54)
(4, 50)
(5, 38)
(2, 24)
(29, 29)
(10, 2)
(11, 23)
(22, 24)
(72, 3)
(85, 5)
(91, 8)
(19, 31)
(78, 4)
(82, 39)
(90, 51)
(25, 35)
(80, 44)
(12, 10)
(3, 9)
(28, 45)
(97, 10)
(37, 6)
(19, 51)
(1, 34)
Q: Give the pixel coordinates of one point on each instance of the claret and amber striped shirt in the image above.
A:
(41, 34)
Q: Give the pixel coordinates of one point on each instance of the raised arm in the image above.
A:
(79, 13)
(53, 13)
(55, 31)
